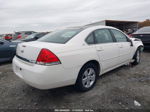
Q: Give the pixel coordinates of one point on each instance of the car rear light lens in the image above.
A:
(46, 57)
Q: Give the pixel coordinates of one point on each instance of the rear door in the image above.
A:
(124, 45)
(107, 48)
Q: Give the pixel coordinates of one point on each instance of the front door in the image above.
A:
(124, 46)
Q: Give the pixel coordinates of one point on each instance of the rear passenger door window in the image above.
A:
(103, 36)
(90, 39)
(120, 37)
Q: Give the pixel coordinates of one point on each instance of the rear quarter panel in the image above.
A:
(78, 57)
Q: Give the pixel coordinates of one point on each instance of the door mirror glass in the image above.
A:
(131, 42)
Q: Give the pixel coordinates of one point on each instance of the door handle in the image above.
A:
(100, 49)
(121, 46)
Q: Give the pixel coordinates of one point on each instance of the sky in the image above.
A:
(47, 15)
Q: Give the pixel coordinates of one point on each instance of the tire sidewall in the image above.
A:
(79, 84)
(136, 62)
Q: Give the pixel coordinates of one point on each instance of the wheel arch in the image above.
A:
(95, 62)
(137, 49)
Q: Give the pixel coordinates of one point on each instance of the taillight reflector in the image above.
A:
(46, 57)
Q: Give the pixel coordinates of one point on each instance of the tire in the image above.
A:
(137, 57)
(87, 77)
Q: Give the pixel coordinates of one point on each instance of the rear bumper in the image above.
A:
(44, 77)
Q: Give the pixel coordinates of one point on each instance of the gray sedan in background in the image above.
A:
(7, 50)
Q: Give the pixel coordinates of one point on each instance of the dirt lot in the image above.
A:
(127, 87)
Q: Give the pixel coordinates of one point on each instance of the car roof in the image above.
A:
(24, 31)
(93, 27)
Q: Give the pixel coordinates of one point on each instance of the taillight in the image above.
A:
(46, 57)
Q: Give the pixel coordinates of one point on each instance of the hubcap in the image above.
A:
(88, 78)
(138, 56)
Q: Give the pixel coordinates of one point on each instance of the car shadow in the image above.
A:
(5, 63)
(60, 95)
(53, 96)
(63, 91)
(147, 50)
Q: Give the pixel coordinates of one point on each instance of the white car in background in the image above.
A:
(74, 56)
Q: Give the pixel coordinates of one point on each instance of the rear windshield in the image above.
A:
(61, 36)
(31, 36)
(28, 33)
(41, 35)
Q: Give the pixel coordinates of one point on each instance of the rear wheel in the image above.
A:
(87, 77)
(137, 57)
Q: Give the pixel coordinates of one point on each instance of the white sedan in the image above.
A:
(74, 56)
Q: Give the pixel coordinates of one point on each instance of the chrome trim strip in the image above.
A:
(24, 59)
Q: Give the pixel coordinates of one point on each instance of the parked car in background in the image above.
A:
(74, 56)
(7, 50)
(8, 36)
(32, 37)
(22, 34)
(144, 35)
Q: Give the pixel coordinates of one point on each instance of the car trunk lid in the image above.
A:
(30, 50)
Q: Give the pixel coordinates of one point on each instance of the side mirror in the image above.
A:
(131, 42)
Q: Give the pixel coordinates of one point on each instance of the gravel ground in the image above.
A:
(125, 88)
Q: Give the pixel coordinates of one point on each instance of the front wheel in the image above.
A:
(137, 57)
(87, 77)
